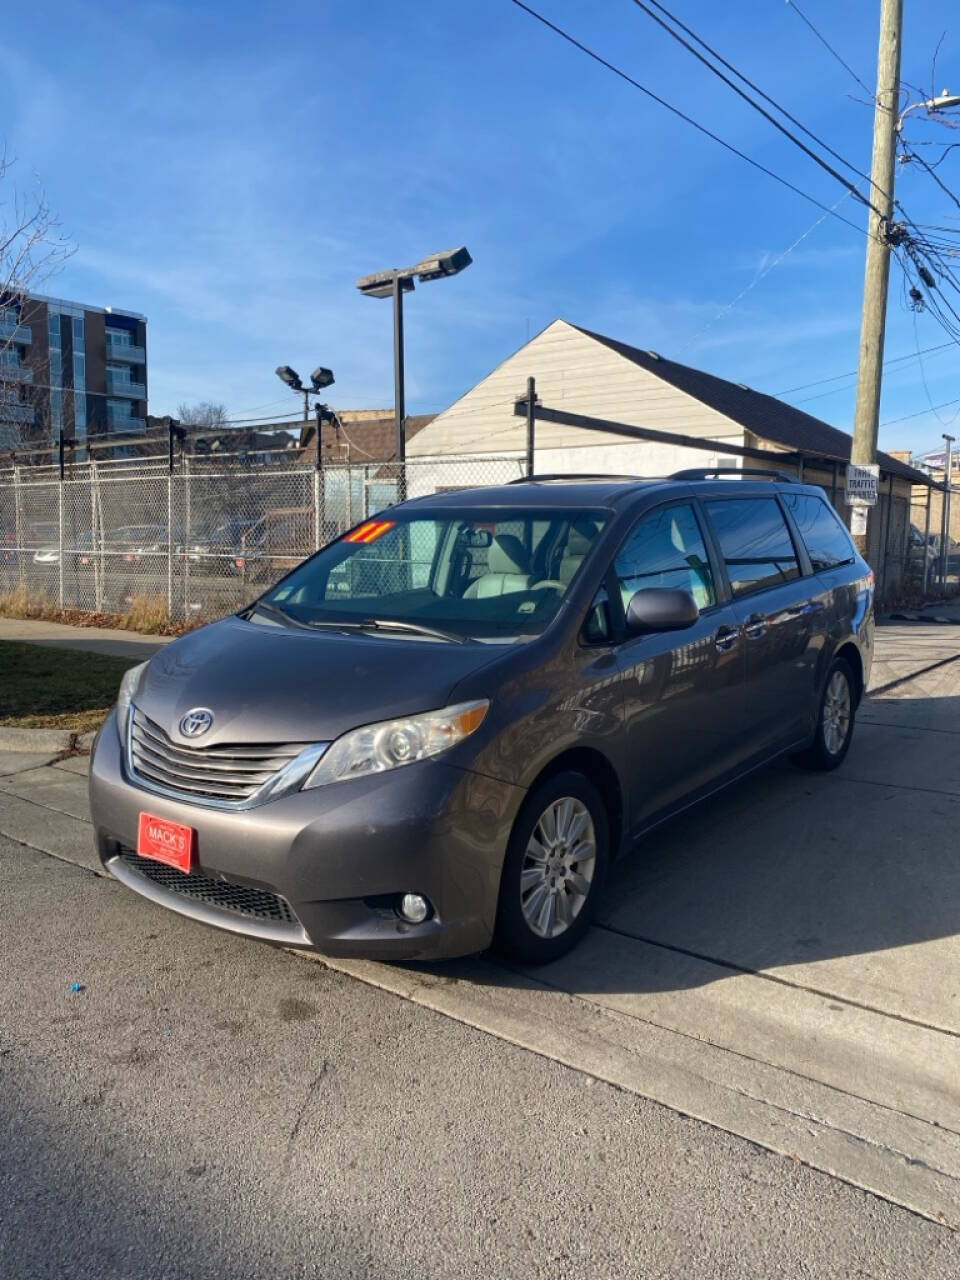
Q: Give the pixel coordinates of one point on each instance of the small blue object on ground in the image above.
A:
(77, 987)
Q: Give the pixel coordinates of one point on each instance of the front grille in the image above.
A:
(239, 899)
(225, 773)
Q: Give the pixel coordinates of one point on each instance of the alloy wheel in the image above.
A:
(558, 867)
(836, 713)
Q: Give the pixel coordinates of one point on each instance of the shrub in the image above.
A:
(147, 614)
(25, 602)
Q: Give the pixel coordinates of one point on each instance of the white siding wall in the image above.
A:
(576, 373)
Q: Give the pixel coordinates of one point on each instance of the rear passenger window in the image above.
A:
(666, 549)
(755, 543)
(822, 532)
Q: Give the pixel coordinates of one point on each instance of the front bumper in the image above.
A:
(337, 856)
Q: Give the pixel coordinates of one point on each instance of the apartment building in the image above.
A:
(71, 367)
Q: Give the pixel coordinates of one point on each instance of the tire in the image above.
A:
(835, 721)
(542, 916)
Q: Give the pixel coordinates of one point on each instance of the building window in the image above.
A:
(79, 370)
(54, 331)
(79, 415)
(120, 337)
(77, 332)
(56, 409)
(56, 366)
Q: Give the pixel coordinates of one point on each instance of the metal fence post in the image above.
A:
(96, 524)
(18, 519)
(926, 539)
(60, 549)
(886, 536)
(319, 486)
(531, 421)
(187, 534)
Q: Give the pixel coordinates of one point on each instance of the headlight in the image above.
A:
(124, 697)
(392, 743)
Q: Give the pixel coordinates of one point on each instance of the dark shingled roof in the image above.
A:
(764, 416)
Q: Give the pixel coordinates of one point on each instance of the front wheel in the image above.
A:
(835, 721)
(555, 866)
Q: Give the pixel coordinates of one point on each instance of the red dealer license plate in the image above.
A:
(166, 841)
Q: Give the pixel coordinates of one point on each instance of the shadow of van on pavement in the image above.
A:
(834, 878)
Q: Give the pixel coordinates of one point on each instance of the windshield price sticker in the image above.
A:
(370, 531)
(862, 484)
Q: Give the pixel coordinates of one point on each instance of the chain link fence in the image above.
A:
(202, 539)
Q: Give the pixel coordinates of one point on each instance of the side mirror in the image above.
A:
(661, 609)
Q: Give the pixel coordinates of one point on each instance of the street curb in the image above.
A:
(919, 617)
(39, 740)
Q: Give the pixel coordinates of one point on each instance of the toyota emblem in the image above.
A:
(196, 722)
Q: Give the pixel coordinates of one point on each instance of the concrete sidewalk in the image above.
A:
(781, 962)
(55, 635)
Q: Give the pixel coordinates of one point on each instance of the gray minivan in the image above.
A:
(437, 732)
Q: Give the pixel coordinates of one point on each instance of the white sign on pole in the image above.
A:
(862, 484)
(858, 521)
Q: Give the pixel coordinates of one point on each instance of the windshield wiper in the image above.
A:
(416, 628)
(272, 611)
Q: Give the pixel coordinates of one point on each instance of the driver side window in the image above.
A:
(666, 549)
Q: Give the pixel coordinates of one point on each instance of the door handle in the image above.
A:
(725, 639)
(756, 626)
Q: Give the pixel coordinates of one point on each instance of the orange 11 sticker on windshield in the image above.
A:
(370, 531)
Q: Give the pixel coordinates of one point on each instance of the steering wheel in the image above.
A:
(552, 583)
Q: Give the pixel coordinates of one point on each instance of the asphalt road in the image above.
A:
(209, 1107)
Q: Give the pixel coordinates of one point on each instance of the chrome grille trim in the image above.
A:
(223, 777)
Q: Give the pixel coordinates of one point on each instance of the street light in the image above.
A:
(394, 284)
(319, 379)
(942, 102)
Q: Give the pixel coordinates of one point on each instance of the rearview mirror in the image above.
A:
(475, 539)
(661, 609)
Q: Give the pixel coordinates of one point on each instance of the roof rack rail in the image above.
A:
(704, 473)
(572, 475)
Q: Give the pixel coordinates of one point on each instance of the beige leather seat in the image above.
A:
(508, 569)
(579, 538)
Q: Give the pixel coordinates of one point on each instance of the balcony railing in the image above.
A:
(122, 387)
(14, 411)
(123, 351)
(10, 372)
(21, 333)
(117, 425)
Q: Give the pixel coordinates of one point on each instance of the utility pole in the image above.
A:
(873, 323)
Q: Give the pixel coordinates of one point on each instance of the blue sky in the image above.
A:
(229, 169)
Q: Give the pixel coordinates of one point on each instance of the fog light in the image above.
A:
(414, 908)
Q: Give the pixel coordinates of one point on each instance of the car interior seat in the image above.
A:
(508, 569)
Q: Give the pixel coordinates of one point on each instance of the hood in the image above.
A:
(278, 684)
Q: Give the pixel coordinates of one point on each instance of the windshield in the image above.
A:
(484, 574)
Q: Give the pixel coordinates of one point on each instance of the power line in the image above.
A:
(617, 71)
(770, 266)
(826, 44)
(923, 375)
(756, 106)
(933, 174)
(919, 414)
(853, 372)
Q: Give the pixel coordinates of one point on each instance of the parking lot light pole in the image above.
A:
(320, 379)
(394, 283)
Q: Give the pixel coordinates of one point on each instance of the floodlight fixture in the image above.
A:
(321, 378)
(290, 377)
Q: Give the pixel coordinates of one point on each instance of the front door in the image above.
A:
(683, 690)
